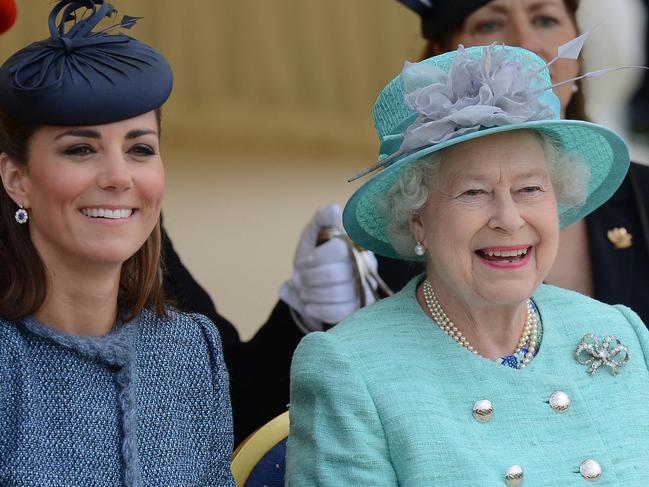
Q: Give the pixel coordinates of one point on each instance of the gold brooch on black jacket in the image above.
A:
(620, 238)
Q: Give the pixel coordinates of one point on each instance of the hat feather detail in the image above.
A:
(84, 73)
(571, 49)
(42, 66)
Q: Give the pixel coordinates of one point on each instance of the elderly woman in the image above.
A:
(476, 373)
(605, 255)
(100, 383)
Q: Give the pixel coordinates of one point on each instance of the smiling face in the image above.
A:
(540, 26)
(490, 224)
(94, 192)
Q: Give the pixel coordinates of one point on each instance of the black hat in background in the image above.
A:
(441, 16)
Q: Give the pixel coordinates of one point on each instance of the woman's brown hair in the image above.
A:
(23, 276)
(576, 108)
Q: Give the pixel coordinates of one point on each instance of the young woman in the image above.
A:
(100, 383)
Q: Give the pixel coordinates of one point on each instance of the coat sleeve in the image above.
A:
(336, 436)
(220, 472)
(640, 329)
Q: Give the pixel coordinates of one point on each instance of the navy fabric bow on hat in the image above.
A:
(80, 76)
(441, 16)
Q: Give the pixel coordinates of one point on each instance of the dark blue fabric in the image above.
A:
(270, 470)
(146, 405)
(622, 275)
(82, 76)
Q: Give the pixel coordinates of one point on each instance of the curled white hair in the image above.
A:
(569, 174)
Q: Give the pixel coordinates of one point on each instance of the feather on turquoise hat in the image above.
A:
(467, 94)
(81, 75)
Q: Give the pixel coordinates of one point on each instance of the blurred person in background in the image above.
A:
(639, 102)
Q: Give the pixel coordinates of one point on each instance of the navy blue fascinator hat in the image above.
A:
(441, 16)
(81, 76)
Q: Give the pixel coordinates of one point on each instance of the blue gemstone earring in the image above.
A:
(21, 215)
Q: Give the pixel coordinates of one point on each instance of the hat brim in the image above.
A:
(366, 221)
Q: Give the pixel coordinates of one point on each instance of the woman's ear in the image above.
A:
(14, 177)
(417, 227)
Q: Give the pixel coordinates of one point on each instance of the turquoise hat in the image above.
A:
(467, 94)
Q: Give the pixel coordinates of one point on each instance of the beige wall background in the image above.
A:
(269, 116)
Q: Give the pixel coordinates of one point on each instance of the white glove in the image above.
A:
(323, 288)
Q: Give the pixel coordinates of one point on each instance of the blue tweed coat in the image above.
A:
(385, 399)
(146, 405)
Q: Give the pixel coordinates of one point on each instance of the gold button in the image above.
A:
(483, 410)
(514, 476)
(559, 402)
(590, 470)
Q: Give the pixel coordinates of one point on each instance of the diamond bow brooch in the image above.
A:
(595, 354)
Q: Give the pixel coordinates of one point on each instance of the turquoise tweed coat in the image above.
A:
(385, 399)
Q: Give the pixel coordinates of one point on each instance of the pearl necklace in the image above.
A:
(529, 336)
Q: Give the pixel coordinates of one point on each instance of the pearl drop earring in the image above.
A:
(420, 249)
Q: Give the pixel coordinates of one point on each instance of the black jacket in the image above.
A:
(259, 369)
(622, 276)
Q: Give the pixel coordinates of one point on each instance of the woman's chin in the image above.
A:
(506, 281)
(108, 254)
(505, 294)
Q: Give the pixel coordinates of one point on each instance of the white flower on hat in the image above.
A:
(477, 92)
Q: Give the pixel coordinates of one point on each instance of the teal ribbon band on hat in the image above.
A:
(391, 143)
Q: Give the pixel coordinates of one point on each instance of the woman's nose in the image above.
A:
(506, 214)
(114, 174)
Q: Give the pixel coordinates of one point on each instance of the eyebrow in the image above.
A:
(134, 134)
(481, 178)
(541, 3)
(533, 6)
(534, 173)
(457, 178)
(93, 134)
(497, 8)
